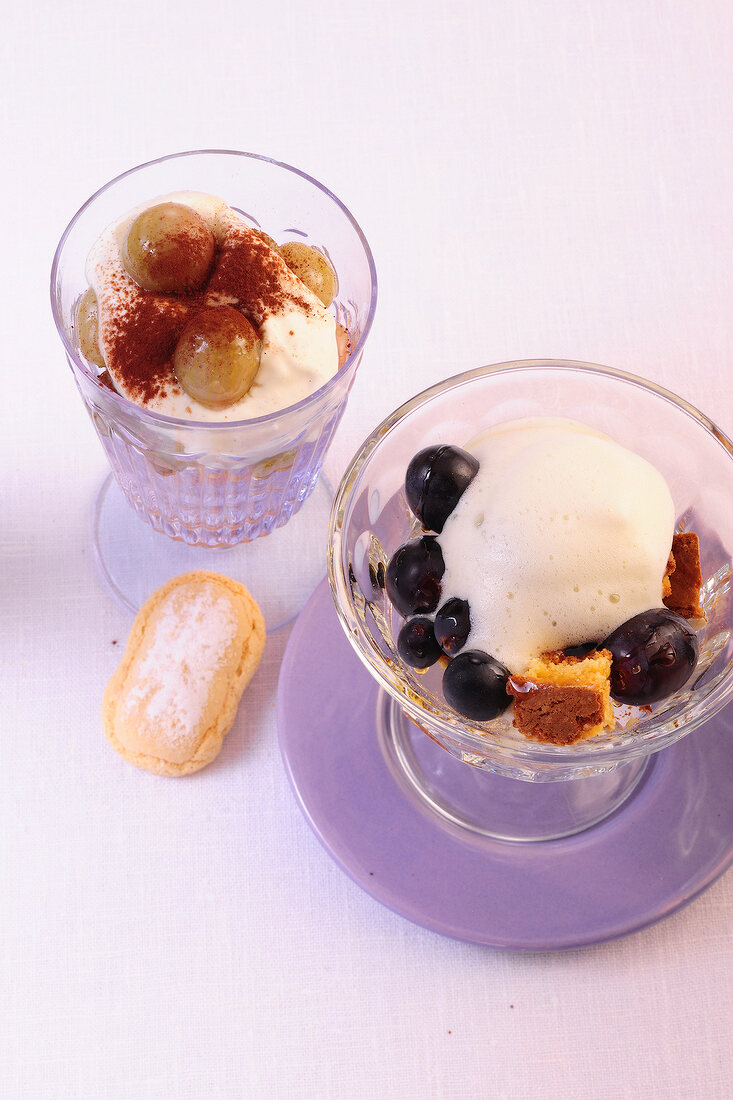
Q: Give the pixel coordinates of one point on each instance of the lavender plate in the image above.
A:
(662, 848)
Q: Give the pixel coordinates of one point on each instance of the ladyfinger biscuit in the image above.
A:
(192, 650)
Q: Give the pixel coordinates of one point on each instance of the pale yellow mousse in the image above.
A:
(562, 535)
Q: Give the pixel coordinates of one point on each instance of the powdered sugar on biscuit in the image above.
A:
(170, 682)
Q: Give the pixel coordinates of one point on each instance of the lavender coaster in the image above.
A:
(663, 847)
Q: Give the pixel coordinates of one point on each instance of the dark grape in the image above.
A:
(474, 684)
(654, 654)
(452, 624)
(581, 650)
(435, 481)
(417, 644)
(413, 576)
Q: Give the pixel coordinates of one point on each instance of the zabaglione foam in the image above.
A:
(562, 536)
(138, 328)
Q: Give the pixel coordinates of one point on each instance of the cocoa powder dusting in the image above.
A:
(142, 328)
(248, 275)
(173, 262)
(140, 341)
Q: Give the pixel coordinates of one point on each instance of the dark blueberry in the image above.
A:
(417, 644)
(654, 654)
(413, 576)
(474, 684)
(435, 481)
(452, 624)
(581, 650)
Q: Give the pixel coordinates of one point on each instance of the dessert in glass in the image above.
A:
(651, 446)
(214, 308)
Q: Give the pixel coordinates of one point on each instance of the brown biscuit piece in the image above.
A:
(685, 582)
(549, 712)
(563, 699)
(192, 650)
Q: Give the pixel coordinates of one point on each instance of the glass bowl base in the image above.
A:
(663, 846)
(491, 805)
(280, 570)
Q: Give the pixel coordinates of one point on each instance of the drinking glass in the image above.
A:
(208, 485)
(492, 780)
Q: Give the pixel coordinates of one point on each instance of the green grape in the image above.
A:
(312, 268)
(343, 343)
(169, 248)
(217, 356)
(87, 327)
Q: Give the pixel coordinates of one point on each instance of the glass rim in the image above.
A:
(590, 752)
(77, 362)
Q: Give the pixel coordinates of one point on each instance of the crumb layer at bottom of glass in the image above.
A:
(208, 499)
(280, 571)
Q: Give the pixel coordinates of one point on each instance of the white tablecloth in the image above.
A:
(536, 179)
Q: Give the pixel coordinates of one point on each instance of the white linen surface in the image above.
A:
(536, 179)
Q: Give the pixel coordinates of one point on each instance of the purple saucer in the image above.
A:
(662, 848)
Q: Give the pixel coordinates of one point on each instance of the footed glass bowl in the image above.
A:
(205, 484)
(370, 519)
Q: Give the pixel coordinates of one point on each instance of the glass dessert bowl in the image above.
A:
(574, 785)
(206, 482)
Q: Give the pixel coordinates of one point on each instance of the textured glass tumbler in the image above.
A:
(218, 485)
(370, 519)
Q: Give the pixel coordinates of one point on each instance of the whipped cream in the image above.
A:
(299, 348)
(562, 535)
